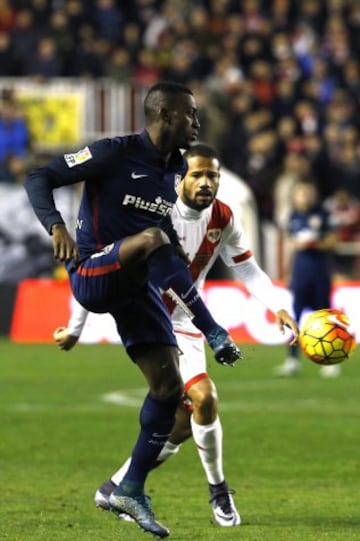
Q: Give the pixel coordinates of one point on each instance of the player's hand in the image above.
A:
(228, 354)
(64, 245)
(63, 339)
(284, 319)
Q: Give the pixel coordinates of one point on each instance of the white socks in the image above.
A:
(119, 475)
(208, 440)
(169, 450)
(166, 452)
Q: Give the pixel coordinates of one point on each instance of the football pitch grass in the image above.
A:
(68, 420)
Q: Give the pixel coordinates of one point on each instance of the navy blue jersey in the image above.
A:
(311, 263)
(127, 188)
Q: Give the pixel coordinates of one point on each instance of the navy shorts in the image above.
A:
(101, 285)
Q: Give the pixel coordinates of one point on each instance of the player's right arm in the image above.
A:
(86, 164)
(67, 337)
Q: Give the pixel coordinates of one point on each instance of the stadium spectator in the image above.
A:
(344, 210)
(295, 168)
(63, 38)
(147, 71)
(85, 61)
(45, 62)
(78, 17)
(9, 60)
(14, 134)
(118, 68)
(24, 37)
(7, 16)
(108, 20)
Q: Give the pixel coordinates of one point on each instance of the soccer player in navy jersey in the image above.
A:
(126, 251)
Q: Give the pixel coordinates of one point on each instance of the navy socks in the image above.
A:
(170, 273)
(157, 418)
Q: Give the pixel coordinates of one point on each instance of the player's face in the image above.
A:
(199, 187)
(184, 124)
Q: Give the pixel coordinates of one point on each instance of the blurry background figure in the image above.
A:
(26, 249)
(311, 241)
(14, 135)
(46, 61)
(344, 211)
(295, 168)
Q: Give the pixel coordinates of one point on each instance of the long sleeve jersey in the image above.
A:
(127, 188)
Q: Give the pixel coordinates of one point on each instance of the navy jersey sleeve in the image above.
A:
(86, 164)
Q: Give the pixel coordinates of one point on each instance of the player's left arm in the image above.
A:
(236, 254)
(259, 284)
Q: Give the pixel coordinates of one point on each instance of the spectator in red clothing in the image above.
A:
(147, 72)
(7, 16)
(344, 210)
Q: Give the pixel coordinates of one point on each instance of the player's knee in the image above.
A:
(154, 238)
(205, 402)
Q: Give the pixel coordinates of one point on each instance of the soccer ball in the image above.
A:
(326, 337)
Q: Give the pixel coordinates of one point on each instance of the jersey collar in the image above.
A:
(189, 213)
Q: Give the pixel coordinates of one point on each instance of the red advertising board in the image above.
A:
(42, 305)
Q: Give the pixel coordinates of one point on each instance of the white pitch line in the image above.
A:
(131, 398)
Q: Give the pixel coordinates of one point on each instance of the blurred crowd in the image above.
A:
(277, 83)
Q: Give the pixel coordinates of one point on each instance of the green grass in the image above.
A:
(291, 449)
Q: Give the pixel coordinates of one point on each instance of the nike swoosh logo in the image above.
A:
(184, 295)
(135, 176)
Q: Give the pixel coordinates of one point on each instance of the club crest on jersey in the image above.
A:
(213, 235)
(79, 157)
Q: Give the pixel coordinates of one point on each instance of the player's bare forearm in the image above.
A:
(64, 340)
(284, 319)
(64, 245)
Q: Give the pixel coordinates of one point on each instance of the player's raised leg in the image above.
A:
(169, 272)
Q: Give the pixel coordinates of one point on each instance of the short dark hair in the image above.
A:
(161, 92)
(200, 149)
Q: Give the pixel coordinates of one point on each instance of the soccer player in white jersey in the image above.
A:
(206, 228)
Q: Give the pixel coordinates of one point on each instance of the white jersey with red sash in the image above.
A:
(204, 235)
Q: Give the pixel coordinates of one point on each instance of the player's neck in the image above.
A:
(161, 143)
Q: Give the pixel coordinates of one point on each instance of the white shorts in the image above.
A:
(192, 358)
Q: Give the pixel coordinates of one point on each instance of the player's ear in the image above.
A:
(164, 115)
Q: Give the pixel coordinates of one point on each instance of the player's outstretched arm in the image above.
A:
(63, 339)
(284, 319)
(67, 337)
